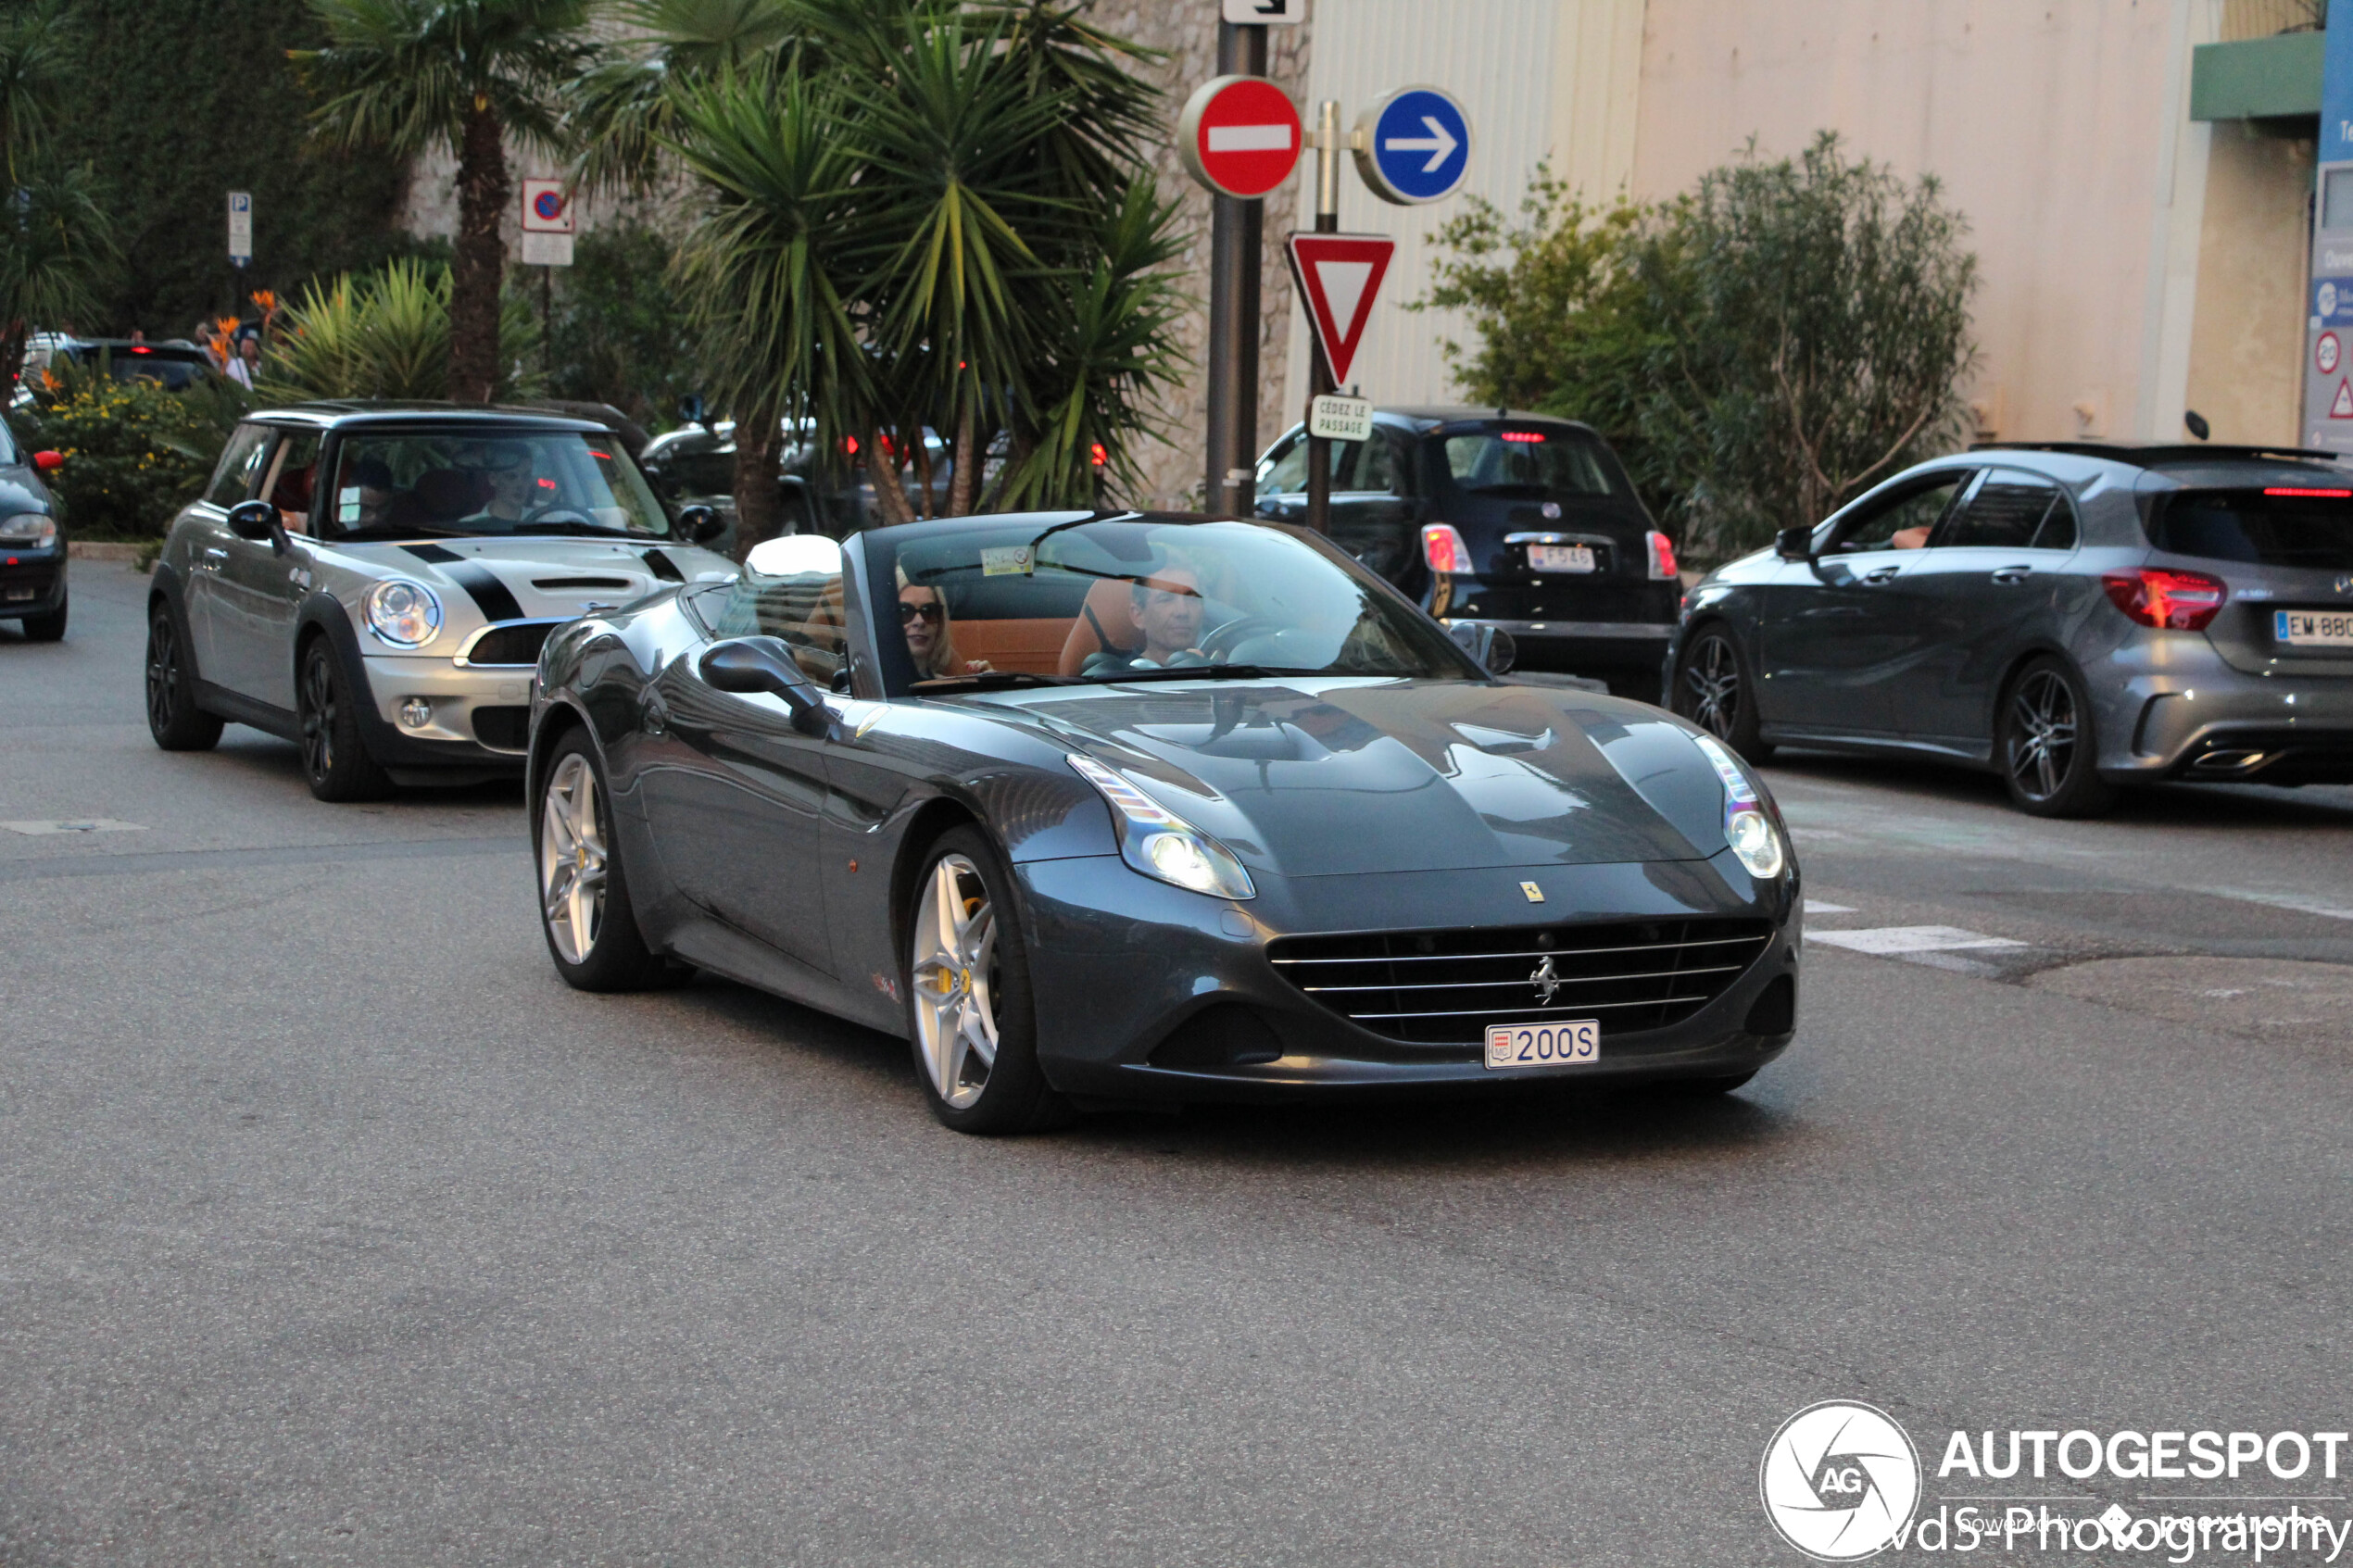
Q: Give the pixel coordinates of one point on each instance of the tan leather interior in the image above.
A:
(1112, 601)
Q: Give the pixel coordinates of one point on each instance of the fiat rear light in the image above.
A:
(2176, 601)
(1444, 549)
(1662, 554)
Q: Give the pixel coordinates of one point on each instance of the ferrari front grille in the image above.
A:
(1445, 987)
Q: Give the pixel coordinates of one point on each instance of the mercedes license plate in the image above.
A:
(1514, 1046)
(2312, 629)
(1560, 557)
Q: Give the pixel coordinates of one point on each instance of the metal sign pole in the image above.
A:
(1319, 371)
(1235, 226)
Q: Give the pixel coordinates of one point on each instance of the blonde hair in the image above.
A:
(943, 660)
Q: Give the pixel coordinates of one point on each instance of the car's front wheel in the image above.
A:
(334, 759)
(174, 716)
(585, 910)
(2047, 747)
(968, 998)
(1713, 690)
(49, 627)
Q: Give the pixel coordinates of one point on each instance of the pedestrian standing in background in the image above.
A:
(245, 368)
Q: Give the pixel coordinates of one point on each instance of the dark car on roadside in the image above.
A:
(175, 366)
(694, 465)
(2072, 616)
(1495, 518)
(33, 546)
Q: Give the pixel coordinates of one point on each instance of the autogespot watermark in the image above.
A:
(1842, 1481)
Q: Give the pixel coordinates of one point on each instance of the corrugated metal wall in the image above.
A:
(1497, 57)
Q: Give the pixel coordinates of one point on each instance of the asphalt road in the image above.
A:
(334, 1229)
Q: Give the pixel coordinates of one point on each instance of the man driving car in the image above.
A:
(1167, 608)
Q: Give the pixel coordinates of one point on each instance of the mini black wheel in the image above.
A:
(1713, 690)
(334, 759)
(2047, 747)
(584, 893)
(969, 1008)
(48, 627)
(174, 716)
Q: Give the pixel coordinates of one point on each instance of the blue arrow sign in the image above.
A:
(1417, 146)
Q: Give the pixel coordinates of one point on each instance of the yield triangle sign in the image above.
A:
(1339, 276)
(2343, 407)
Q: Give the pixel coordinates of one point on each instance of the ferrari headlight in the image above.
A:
(32, 530)
(1162, 845)
(1748, 826)
(403, 613)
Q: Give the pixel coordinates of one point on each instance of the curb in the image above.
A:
(127, 552)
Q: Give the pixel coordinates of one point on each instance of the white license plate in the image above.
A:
(18, 593)
(1560, 557)
(1514, 1046)
(2316, 629)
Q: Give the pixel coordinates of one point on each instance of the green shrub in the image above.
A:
(621, 331)
(384, 335)
(135, 453)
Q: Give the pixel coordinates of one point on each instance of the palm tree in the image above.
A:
(411, 75)
(55, 236)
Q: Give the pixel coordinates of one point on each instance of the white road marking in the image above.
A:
(1892, 939)
(75, 824)
(1816, 907)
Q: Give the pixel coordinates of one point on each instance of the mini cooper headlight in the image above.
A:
(1160, 844)
(1748, 827)
(32, 530)
(403, 613)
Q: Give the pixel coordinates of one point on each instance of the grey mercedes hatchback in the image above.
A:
(2075, 616)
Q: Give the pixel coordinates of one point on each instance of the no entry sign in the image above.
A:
(1239, 136)
(1338, 276)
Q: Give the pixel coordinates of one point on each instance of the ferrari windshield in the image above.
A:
(1135, 599)
(425, 482)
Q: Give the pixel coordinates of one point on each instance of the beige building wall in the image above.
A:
(2246, 346)
(2057, 128)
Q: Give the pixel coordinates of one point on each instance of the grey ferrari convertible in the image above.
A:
(1103, 809)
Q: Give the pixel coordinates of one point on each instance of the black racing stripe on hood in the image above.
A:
(491, 594)
(433, 553)
(663, 567)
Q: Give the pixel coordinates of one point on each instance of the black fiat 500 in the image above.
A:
(1495, 518)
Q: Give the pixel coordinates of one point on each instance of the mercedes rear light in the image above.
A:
(1662, 553)
(1444, 549)
(2175, 601)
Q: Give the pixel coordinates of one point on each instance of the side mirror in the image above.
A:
(750, 664)
(49, 462)
(256, 521)
(1490, 646)
(1794, 544)
(701, 525)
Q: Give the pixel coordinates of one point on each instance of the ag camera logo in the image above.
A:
(1840, 1481)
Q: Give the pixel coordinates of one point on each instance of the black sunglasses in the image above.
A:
(909, 613)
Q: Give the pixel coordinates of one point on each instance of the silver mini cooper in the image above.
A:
(374, 581)
(2074, 616)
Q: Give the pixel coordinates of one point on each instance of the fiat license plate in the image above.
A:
(1514, 1046)
(2312, 629)
(1560, 557)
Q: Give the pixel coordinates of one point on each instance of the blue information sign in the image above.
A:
(1413, 145)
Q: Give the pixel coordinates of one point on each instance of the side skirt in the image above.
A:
(243, 709)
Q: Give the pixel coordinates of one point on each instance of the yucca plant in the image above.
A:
(385, 335)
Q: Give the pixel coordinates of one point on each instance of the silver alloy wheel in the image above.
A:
(2042, 742)
(572, 860)
(1713, 677)
(953, 979)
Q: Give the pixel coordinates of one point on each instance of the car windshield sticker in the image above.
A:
(1008, 560)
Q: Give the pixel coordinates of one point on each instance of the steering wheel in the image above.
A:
(1222, 642)
(542, 514)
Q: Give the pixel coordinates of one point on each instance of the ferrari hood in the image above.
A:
(1321, 778)
(539, 578)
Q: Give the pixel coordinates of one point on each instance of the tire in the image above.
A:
(174, 716)
(1715, 690)
(48, 627)
(970, 1011)
(334, 759)
(2046, 746)
(585, 910)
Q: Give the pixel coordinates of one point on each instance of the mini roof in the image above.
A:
(343, 412)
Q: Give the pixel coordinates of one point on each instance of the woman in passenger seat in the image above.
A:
(931, 638)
